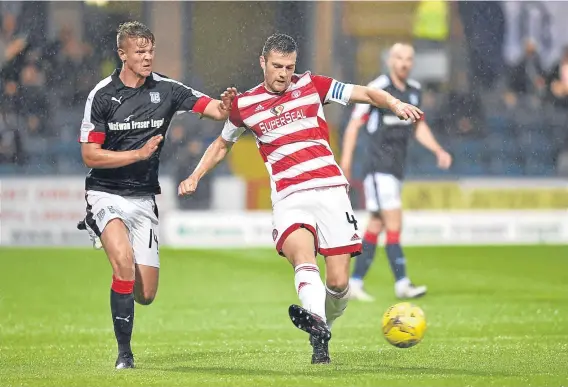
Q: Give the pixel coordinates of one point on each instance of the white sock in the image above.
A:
(310, 288)
(335, 304)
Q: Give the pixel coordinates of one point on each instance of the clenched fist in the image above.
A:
(188, 186)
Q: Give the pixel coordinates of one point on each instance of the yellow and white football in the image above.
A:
(404, 325)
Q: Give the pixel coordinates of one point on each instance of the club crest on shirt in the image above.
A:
(296, 93)
(154, 97)
(277, 110)
(413, 99)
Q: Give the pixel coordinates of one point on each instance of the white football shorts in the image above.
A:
(326, 213)
(139, 214)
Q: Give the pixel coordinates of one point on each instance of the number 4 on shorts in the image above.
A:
(351, 219)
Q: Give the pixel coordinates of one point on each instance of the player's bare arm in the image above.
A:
(425, 137)
(219, 110)
(349, 142)
(382, 99)
(96, 157)
(212, 156)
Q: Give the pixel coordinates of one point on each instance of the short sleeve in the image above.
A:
(234, 126)
(93, 126)
(331, 90)
(187, 99)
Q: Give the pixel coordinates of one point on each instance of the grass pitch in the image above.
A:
(497, 316)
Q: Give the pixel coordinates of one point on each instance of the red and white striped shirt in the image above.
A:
(291, 132)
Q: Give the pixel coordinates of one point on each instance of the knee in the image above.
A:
(394, 228)
(393, 223)
(337, 284)
(123, 265)
(375, 224)
(144, 297)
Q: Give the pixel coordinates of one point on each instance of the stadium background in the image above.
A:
(505, 128)
(497, 315)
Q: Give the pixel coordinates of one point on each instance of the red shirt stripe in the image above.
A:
(323, 172)
(301, 156)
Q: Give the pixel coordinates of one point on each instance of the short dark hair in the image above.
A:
(133, 29)
(281, 43)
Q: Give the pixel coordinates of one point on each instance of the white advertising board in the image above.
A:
(254, 229)
(44, 211)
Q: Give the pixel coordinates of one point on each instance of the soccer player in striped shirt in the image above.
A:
(311, 209)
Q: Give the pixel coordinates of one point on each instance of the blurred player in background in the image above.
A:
(386, 144)
(126, 118)
(311, 209)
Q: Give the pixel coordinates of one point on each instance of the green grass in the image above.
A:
(497, 316)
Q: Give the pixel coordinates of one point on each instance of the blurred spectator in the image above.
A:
(10, 139)
(33, 99)
(528, 76)
(558, 81)
(12, 47)
(432, 106)
(484, 29)
(72, 70)
(182, 152)
(187, 160)
(463, 110)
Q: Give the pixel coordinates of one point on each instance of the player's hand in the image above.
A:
(188, 186)
(227, 98)
(444, 159)
(406, 111)
(150, 147)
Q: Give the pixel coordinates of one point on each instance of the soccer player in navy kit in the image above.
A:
(126, 118)
(386, 144)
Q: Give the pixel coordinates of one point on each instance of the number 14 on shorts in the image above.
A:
(153, 239)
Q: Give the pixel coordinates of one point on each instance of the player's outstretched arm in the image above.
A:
(219, 109)
(212, 156)
(383, 99)
(96, 157)
(425, 137)
(349, 142)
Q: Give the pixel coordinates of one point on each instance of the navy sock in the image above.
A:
(364, 261)
(122, 308)
(395, 255)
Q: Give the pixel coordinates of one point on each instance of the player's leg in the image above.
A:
(106, 219)
(146, 285)
(116, 244)
(299, 249)
(340, 240)
(337, 286)
(296, 239)
(145, 243)
(391, 213)
(374, 227)
(338, 231)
